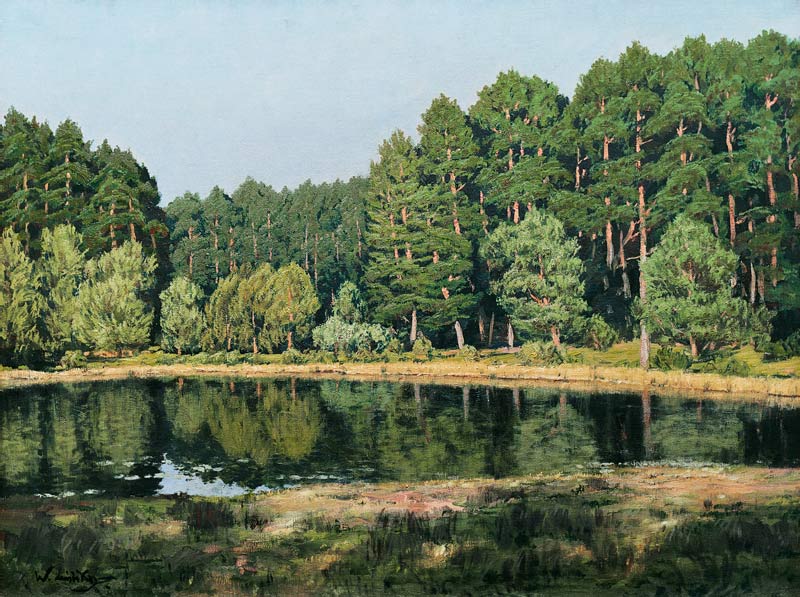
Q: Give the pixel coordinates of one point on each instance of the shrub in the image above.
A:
(599, 334)
(780, 350)
(292, 357)
(736, 367)
(342, 337)
(394, 346)
(469, 353)
(667, 358)
(422, 348)
(541, 353)
(366, 356)
(73, 359)
(320, 356)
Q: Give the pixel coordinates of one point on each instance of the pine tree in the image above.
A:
(60, 269)
(20, 301)
(249, 310)
(182, 321)
(689, 291)
(291, 305)
(111, 312)
(537, 275)
(224, 313)
(391, 276)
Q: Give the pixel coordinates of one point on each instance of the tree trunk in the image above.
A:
(289, 340)
(253, 320)
(491, 330)
(693, 346)
(556, 336)
(481, 324)
(732, 217)
(623, 262)
(644, 347)
(510, 335)
(413, 335)
(179, 350)
(459, 335)
(752, 284)
(609, 245)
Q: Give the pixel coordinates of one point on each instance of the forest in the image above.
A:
(659, 203)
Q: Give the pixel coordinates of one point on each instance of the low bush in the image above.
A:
(781, 350)
(667, 358)
(599, 335)
(422, 349)
(292, 357)
(469, 353)
(541, 353)
(73, 359)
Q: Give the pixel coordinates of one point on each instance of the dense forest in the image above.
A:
(661, 201)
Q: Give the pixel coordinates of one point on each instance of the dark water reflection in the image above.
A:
(225, 437)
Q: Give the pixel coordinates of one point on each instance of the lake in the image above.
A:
(231, 436)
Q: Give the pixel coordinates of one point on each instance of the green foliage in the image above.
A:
(20, 301)
(781, 349)
(291, 304)
(111, 313)
(292, 356)
(338, 336)
(541, 353)
(60, 269)
(599, 335)
(224, 314)
(667, 358)
(537, 275)
(182, 321)
(73, 359)
(348, 305)
(469, 353)
(689, 296)
(422, 348)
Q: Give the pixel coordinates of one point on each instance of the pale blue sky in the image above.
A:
(210, 92)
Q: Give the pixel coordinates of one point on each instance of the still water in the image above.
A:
(227, 437)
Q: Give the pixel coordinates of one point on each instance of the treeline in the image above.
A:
(661, 200)
(709, 131)
(53, 177)
(320, 227)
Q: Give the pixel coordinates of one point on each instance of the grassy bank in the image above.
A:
(634, 531)
(609, 371)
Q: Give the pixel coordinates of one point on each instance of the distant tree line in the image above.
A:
(661, 201)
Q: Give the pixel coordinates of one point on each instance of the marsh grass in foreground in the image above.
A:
(552, 535)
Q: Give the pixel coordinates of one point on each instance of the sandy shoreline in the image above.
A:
(450, 372)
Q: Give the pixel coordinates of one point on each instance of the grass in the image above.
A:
(635, 531)
(609, 370)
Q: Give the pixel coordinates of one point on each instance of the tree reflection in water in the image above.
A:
(115, 437)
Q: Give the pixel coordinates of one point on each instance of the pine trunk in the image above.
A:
(413, 335)
(491, 330)
(510, 335)
(644, 347)
(459, 334)
(555, 336)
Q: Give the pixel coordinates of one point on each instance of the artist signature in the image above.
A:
(79, 581)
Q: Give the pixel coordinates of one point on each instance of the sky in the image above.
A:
(208, 93)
